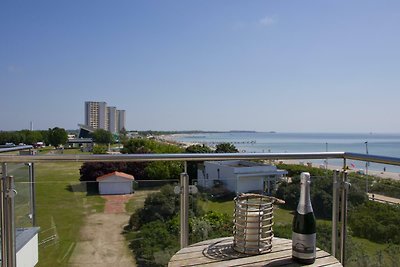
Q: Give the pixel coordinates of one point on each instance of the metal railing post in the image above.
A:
(3, 215)
(32, 192)
(335, 211)
(345, 186)
(10, 221)
(184, 193)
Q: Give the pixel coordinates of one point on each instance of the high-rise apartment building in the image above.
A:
(95, 114)
(112, 119)
(99, 116)
(121, 120)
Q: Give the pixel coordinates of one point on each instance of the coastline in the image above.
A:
(173, 139)
(380, 174)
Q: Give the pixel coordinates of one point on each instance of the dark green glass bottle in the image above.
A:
(304, 226)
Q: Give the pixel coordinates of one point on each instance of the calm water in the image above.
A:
(378, 144)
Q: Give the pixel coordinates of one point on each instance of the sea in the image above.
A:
(274, 142)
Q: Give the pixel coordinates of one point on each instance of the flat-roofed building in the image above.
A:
(240, 176)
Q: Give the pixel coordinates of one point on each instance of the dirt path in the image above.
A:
(383, 199)
(102, 243)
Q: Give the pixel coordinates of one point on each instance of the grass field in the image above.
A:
(62, 204)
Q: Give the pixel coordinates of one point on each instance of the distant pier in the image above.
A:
(213, 143)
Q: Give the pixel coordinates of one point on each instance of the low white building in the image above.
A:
(240, 176)
(115, 183)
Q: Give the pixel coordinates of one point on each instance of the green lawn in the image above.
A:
(281, 216)
(62, 204)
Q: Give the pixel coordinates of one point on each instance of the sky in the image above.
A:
(286, 66)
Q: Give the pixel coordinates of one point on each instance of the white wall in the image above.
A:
(226, 175)
(27, 256)
(246, 184)
(115, 185)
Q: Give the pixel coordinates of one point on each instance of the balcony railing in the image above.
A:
(8, 229)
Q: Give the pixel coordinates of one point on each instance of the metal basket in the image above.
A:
(253, 221)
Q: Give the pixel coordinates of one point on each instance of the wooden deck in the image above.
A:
(219, 252)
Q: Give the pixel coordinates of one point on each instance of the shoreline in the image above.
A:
(171, 139)
(380, 174)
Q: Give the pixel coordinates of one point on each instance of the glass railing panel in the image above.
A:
(23, 197)
(153, 229)
(81, 227)
(374, 224)
(214, 208)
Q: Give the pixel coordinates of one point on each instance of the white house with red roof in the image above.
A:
(115, 183)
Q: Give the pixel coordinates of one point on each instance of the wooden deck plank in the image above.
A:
(199, 251)
(219, 252)
(221, 241)
(195, 254)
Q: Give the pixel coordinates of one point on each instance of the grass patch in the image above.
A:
(281, 216)
(62, 204)
(218, 206)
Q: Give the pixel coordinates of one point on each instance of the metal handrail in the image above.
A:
(372, 158)
(15, 148)
(200, 157)
(169, 157)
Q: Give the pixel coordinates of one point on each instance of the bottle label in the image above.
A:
(303, 246)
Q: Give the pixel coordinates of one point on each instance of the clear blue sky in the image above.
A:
(294, 66)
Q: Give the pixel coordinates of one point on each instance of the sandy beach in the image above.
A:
(381, 174)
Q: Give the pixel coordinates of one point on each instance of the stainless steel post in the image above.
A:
(3, 215)
(10, 222)
(184, 210)
(32, 194)
(343, 232)
(335, 211)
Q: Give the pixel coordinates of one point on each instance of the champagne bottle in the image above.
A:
(304, 234)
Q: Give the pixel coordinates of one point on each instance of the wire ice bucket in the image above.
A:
(253, 220)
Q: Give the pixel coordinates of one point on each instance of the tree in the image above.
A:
(193, 166)
(123, 135)
(100, 149)
(156, 170)
(198, 149)
(31, 137)
(57, 136)
(142, 145)
(102, 136)
(226, 148)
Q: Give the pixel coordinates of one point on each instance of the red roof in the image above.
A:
(119, 174)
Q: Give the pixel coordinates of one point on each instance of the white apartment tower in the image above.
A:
(95, 114)
(121, 120)
(99, 116)
(112, 119)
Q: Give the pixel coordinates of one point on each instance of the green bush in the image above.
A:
(376, 221)
(155, 243)
(321, 190)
